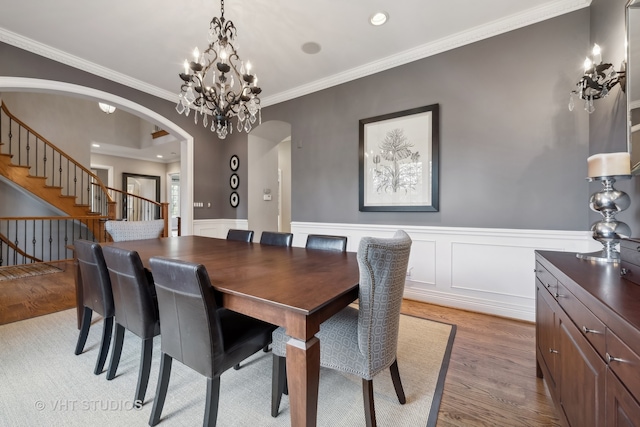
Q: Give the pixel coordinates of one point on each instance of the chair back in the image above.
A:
(96, 285)
(191, 330)
(122, 231)
(240, 235)
(275, 238)
(132, 285)
(383, 268)
(326, 243)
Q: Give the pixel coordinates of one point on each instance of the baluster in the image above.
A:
(37, 156)
(74, 190)
(19, 147)
(60, 172)
(10, 136)
(33, 238)
(28, 148)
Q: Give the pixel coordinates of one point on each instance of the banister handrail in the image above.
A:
(132, 195)
(56, 149)
(9, 243)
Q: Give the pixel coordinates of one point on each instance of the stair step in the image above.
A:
(82, 205)
(57, 187)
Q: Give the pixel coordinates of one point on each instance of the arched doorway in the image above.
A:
(17, 84)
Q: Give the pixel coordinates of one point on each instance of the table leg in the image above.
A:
(303, 376)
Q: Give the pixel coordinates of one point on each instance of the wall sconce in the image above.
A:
(598, 80)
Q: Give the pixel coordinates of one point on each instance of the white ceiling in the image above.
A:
(143, 43)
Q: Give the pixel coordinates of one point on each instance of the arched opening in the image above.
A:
(269, 178)
(20, 84)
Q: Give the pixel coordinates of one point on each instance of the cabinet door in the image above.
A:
(622, 409)
(546, 333)
(582, 377)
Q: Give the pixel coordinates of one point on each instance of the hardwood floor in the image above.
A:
(37, 295)
(492, 375)
(491, 379)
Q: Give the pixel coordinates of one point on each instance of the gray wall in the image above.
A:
(512, 155)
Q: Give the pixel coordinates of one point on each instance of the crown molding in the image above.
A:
(57, 55)
(494, 28)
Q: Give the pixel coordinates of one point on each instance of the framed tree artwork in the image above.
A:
(399, 161)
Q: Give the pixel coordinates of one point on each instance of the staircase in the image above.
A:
(30, 161)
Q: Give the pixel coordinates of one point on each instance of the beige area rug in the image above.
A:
(26, 270)
(42, 383)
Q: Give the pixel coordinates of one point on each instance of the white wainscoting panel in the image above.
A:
(479, 269)
(217, 227)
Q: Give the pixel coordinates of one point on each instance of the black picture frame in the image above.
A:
(234, 163)
(234, 181)
(399, 161)
(234, 199)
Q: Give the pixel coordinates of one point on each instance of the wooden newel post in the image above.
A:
(165, 215)
(111, 210)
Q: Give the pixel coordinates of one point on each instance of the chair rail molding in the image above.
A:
(485, 270)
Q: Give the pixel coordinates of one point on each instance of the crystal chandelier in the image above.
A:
(233, 90)
(598, 80)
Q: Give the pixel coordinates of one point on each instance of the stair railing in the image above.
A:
(132, 207)
(28, 148)
(24, 240)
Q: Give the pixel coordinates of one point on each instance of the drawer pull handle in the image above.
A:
(623, 271)
(610, 358)
(553, 351)
(548, 285)
(590, 331)
(559, 296)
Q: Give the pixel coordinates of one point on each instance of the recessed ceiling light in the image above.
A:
(379, 18)
(311, 48)
(159, 156)
(95, 145)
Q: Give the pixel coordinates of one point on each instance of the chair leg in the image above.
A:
(104, 345)
(266, 348)
(84, 330)
(118, 339)
(161, 389)
(278, 383)
(145, 369)
(213, 397)
(397, 384)
(236, 366)
(369, 408)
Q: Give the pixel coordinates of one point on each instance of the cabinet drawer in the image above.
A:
(624, 362)
(546, 278)
(588, 324)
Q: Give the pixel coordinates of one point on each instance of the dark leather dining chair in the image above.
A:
(326, 242)
(240, 235)
(361, 341)
(197, 332)
(136, 310)
(275, 238)
(96, 296)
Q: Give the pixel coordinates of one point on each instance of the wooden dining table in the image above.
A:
(295, 288)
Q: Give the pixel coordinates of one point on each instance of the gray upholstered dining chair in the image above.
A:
(326, 242)
(361, 341)
(136, 310)
(240, 235)
(96, 296)
(199, 333)
(121, 231)
(275, 238)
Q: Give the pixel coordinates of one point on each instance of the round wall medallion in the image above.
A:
(234, 163)
(234, 200)
(234, 181)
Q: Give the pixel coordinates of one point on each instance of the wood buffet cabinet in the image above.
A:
(588, 340)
